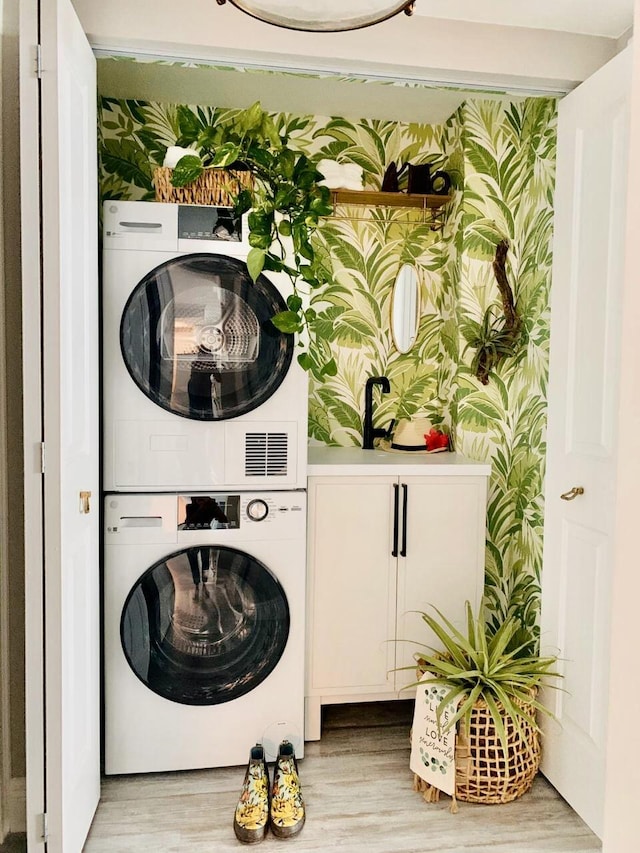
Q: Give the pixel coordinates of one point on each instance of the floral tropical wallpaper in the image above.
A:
(509, 169)
(501, 157)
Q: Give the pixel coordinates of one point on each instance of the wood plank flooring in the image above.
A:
(357, 788)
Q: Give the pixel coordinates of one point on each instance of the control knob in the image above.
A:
(257, 509)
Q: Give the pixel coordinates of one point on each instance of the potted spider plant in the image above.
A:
(493, 680)
(284, 200)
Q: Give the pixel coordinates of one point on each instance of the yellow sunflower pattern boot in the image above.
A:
(252, 812)
(287, 806)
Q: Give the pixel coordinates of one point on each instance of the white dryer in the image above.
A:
(200, 389)
(204, 628)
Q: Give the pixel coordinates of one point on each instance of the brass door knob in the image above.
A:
(85, 502)
(572, 493)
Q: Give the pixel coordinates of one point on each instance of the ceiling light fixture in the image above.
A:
(330, 16)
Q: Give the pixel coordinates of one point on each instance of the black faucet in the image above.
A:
(368, 431)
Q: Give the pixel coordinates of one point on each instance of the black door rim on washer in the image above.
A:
(204, 625)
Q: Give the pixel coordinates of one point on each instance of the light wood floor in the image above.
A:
(357, 788)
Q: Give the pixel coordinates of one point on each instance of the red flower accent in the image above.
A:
(436, 440)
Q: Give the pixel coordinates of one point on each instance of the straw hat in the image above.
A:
(410, 435)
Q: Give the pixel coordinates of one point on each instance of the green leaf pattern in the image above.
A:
(510, 154)
(501, 157)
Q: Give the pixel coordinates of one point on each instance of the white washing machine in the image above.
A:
(200, 390)
(204, 628)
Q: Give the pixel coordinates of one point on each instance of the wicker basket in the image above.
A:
(484, 772)
(214, 186)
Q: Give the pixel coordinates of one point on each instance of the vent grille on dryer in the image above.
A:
(266, 454)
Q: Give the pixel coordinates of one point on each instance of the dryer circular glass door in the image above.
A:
(205, 625)
(196, 337)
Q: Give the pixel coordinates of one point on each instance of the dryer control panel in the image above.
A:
(208, 223)
(162, 227)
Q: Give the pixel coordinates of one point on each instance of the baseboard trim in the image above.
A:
(17, 804)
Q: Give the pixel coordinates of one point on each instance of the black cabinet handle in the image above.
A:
(405, 498)
(396, 507)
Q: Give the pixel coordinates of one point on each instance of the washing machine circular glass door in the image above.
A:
(205, 625)
(196, 337)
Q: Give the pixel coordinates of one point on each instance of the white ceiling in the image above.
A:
(590, 17)
(326, 96)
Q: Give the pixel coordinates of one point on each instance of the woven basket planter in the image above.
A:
(485, 773)
(214, 186)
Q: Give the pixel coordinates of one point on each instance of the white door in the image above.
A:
(583, 408)
(65, 746)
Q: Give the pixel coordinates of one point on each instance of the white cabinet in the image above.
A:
(444, 562)
(351, 614)
(380, 547)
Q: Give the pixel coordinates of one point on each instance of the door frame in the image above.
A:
(33, 412)
(623, 741)
(5, 665)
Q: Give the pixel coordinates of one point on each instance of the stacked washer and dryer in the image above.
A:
(205, 436)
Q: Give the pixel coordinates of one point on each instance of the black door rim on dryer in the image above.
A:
(234, 358)
(204, 625)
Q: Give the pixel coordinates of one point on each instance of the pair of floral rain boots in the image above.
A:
(281, 807)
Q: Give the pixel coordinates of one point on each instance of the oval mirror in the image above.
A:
(405, 308)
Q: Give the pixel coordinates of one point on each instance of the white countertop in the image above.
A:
(353, 461)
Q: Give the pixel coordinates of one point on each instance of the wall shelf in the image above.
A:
(430, 205)
(373, 198)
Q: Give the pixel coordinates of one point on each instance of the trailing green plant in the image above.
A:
(482, 664)
(285, 207)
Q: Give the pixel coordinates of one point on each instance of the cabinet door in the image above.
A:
(443, 564)
(351, 604)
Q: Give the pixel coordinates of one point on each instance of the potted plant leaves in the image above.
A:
(284, 201)
(493, 679)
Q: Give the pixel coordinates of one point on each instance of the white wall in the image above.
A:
(418, 46)
(623, 752)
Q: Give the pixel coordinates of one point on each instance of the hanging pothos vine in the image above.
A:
(496, 337)
(285, 205)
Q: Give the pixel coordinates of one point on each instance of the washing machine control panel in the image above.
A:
(241, 511)
(214, 518)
